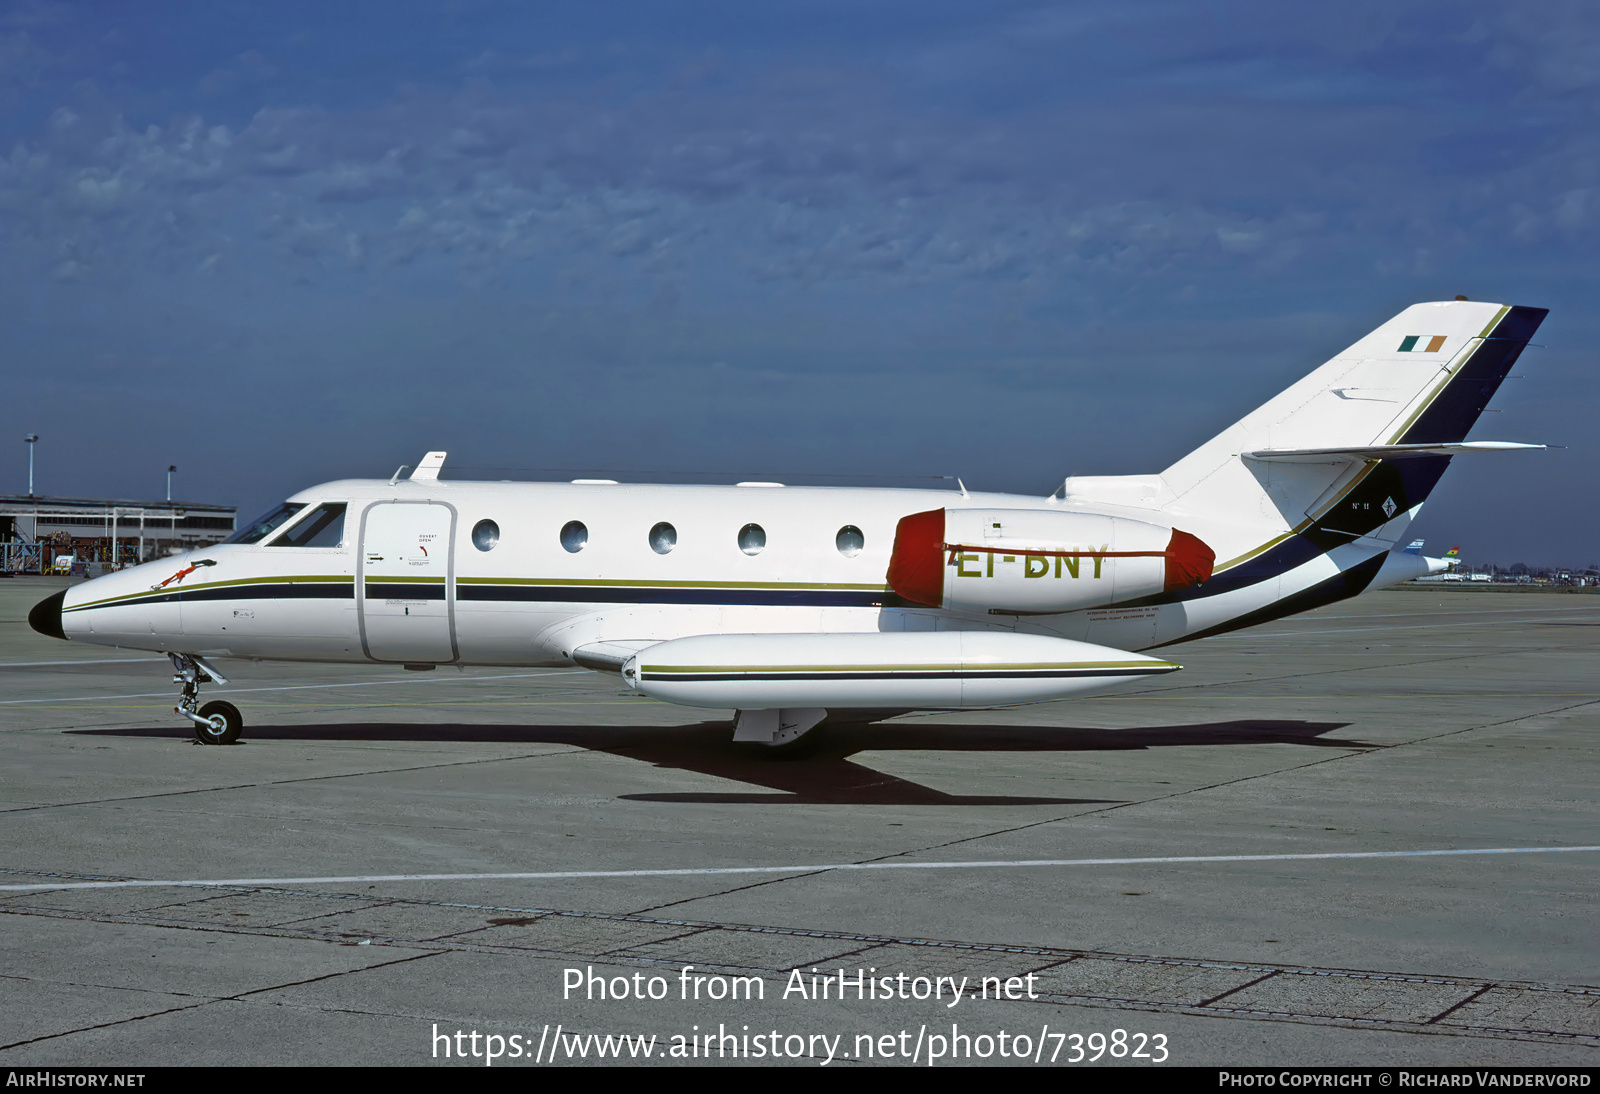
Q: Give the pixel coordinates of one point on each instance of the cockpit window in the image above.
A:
(266, 524)
(323, 527)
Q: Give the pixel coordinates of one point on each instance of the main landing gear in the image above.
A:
(782, 734)
(799, 733)
(216, 723)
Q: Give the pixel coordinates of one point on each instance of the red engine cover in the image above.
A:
(916, 568)
(1189, 561)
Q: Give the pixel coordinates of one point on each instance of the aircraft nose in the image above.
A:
(46, 616)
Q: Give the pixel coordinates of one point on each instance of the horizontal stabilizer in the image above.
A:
(1384, 451)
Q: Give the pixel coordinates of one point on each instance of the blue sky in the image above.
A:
(277, 244)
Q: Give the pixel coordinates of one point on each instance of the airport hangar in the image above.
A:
(102, 533)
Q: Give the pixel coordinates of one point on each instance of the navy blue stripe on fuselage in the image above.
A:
(403, 590)
(288, 590)
(1341, 586)
(310, 590)
(525, 593)
(645, 594)
(1404, 483)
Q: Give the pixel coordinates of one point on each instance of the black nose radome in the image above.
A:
(46, 616)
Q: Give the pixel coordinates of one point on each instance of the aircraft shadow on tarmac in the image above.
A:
(825, 775)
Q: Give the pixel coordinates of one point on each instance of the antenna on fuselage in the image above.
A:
(429, 467)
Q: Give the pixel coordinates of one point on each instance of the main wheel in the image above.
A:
(226, 724)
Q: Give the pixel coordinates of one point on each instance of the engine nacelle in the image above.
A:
(1028, 560)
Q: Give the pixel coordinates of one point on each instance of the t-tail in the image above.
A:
(1306, 498)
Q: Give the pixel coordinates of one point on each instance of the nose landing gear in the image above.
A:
(216, 723)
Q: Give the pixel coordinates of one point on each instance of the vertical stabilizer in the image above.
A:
(1423, 377)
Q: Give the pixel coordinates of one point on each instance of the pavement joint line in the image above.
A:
(1413, 615)
(207, 1001)
(1230, 782)
(1342, 669)
(869, 941)
(105, 1025)
(638, 953)
(1397, 1024)
(101, 987)
(801, 875)
(699, 871)
(1120, 805)
(740, 889)
(291, 782)
(1410, 1025)
(1412, 627)
(462, 679)
(105, 661)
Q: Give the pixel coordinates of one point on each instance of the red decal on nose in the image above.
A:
(179, 576)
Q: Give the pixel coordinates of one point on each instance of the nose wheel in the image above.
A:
(222, 723)
(216, 723)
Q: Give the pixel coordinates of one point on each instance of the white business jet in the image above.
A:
(788, 603)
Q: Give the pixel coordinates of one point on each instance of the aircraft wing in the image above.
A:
(611, 656)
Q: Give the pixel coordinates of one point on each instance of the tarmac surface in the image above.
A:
(1404, 721)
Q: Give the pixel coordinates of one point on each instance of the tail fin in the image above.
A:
(1420, 380)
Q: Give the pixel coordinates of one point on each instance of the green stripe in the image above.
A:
(171, 590)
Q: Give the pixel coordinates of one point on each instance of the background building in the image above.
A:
(101, 532)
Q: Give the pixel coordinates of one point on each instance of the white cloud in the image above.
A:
(799, 175)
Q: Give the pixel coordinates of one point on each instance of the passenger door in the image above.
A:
(408, 582)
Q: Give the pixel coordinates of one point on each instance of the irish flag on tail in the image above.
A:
(1431, 344)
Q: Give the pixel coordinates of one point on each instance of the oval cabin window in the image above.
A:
(574, 536)
(850, 541)
(485, 534)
